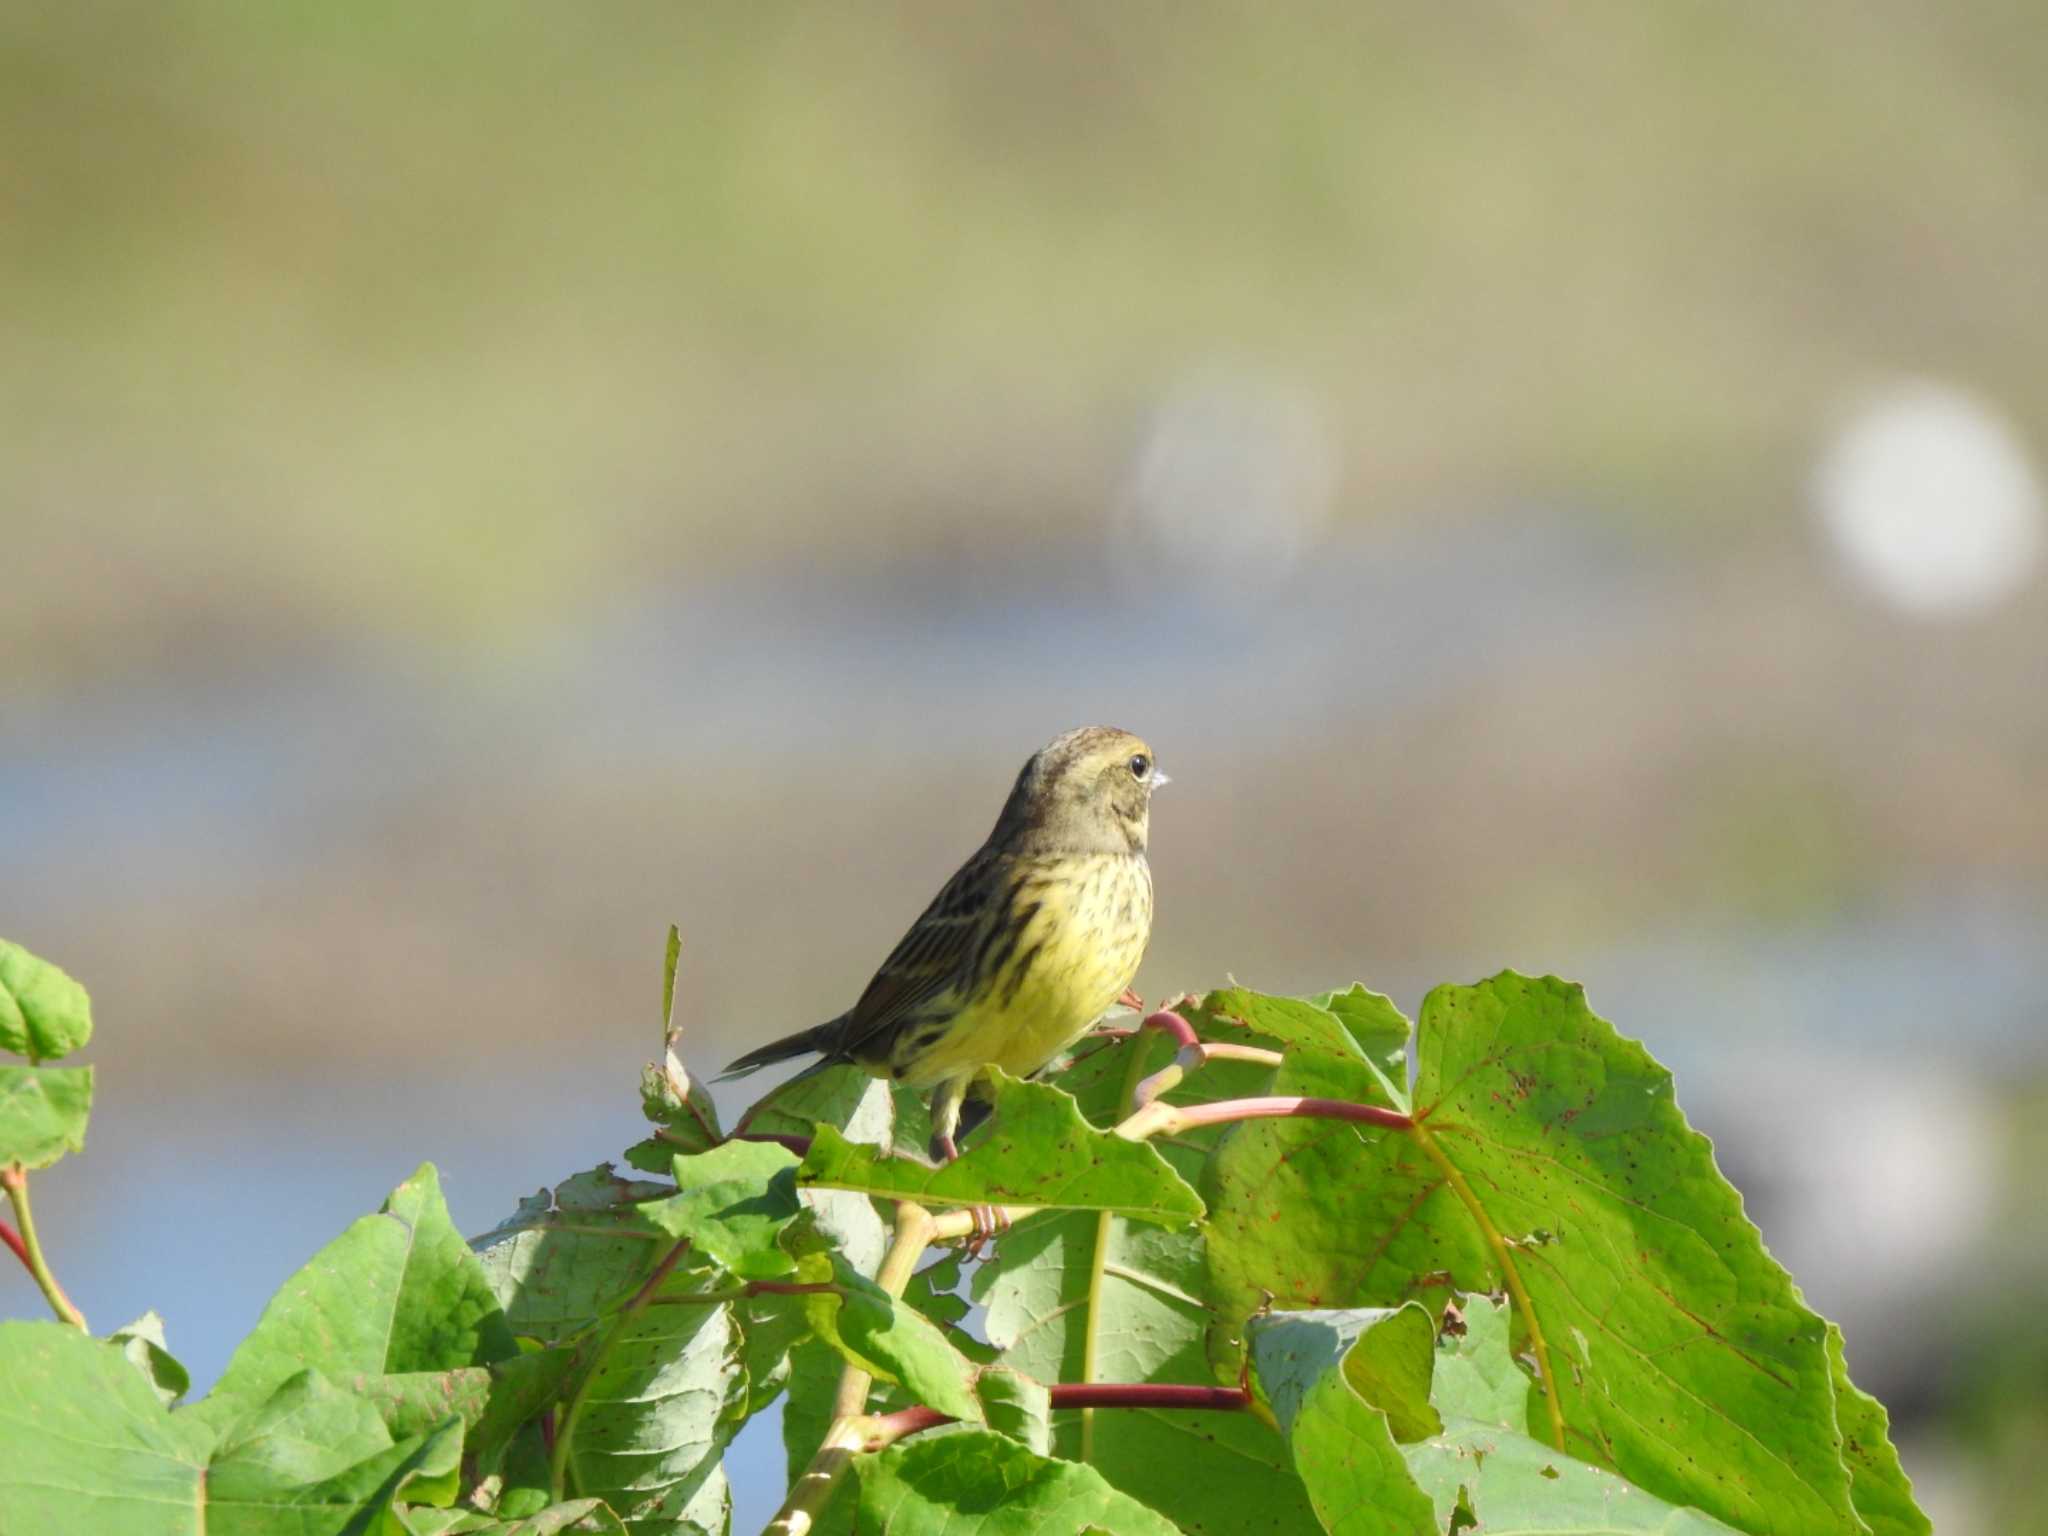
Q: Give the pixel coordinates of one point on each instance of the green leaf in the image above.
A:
(1486, 1465)
(567, 1258)
(1385, 1356)
(89, 1447)
(1379, 1030)
(142, 1341)
(44, 1014)
(681, 1109)
(42, 1113)
(977, 1483)
(733, 1203)
(1683, 1355)
(677, 1104)
(887, 1339)
(1105, 1070)
(652, 1420)
(1217, 1474)
(327, 1447)
(1314, 1028)
(1343, 1443)
(1879, 1485)
(935, 1289)
(1016, 1405)
(814, 1370)
(492, 1401)
(397, 1292)
(1038, 1152)
(671, 953)
(842, 1096)
(576, 1517)
(865, 1110)
(773, 1327)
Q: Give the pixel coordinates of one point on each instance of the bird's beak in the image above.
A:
(1159, 778)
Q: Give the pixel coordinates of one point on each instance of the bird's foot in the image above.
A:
(989, 1220)
(943, 1148)
(1132, 1001)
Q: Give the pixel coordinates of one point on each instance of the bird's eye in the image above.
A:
(1141, 765)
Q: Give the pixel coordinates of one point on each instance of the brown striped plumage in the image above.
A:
(1025, 947)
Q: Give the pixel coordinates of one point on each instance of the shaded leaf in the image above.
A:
(978, 1483)
(575, 1517)
(492, 1401)
(887, 1339)
(1311, 1027)
(652, 1420)
(43, 1111)
(771, 1327)
(1038, 1152)
(1385, 1356)
(1217, 1474)
(44, 1014)
(568, 1257)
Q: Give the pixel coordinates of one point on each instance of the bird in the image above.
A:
(1031, 941)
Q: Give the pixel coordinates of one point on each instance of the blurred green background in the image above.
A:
(1558, 486)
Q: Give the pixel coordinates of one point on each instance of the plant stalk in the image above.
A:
(15, 1179)
(811, 1492)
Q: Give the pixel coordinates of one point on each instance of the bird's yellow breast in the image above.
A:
(1074, 956)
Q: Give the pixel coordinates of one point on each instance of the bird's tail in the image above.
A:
(821, 1038)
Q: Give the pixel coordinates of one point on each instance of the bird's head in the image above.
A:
(1089, 791)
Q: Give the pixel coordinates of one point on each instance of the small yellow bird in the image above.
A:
(1023, 949)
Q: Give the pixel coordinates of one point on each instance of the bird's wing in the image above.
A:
(935, 956)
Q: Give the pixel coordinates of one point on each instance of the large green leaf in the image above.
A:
(88, 1447)
(43, 1111)
(564, 1259)
(397, 1292)
(1039, 1151)
(44, 1014)
(1484, 1466)
(655, 1414)
(733, 1203)
(1683, 1355)
(979, 1483)
(1215, 1473)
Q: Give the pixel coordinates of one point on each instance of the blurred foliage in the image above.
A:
(442, 319)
